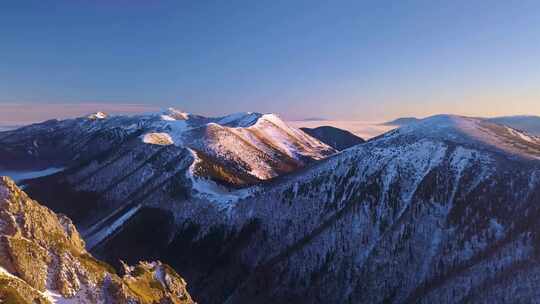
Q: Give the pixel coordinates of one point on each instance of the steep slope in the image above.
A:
(264, 149)
(43, 260)
(443, 210)
(334, 137)
(440, 211)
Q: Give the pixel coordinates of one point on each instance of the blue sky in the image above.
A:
(337, 59)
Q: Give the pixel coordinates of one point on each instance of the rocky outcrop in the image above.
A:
(43, 259)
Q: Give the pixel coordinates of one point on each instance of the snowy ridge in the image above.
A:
(172, 114)
(252, 146)
(259, 143)
(266, 131)
(473, 131)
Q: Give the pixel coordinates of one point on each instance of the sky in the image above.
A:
(343, 59)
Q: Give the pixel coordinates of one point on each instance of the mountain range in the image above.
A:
(250, 210)
(401, 121)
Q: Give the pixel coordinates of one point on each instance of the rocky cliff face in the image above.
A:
(44, 260)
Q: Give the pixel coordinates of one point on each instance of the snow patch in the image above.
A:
(97, 115)
(3, 271)
(80, 297)
(162, 139)
(523, 136)
(105, 232)
(52, 296)
(167, 118)
(173, 114)
(210, 190)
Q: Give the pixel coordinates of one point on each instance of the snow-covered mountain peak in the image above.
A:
(471, 131)
(97, 115)
(273, 118)
(250, 119)
(172, 114)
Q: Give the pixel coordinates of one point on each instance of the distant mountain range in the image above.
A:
(250, 210)
(336, 138)
(401, 121)
(314, 119)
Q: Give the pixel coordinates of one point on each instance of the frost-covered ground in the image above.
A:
(364, 129)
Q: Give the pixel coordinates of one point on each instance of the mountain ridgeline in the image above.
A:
(526, 123)
(248, 210)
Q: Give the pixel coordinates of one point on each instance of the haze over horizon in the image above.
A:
(14, 115)
(346, 60)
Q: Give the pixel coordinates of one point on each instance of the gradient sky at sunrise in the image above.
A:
(364, 60)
